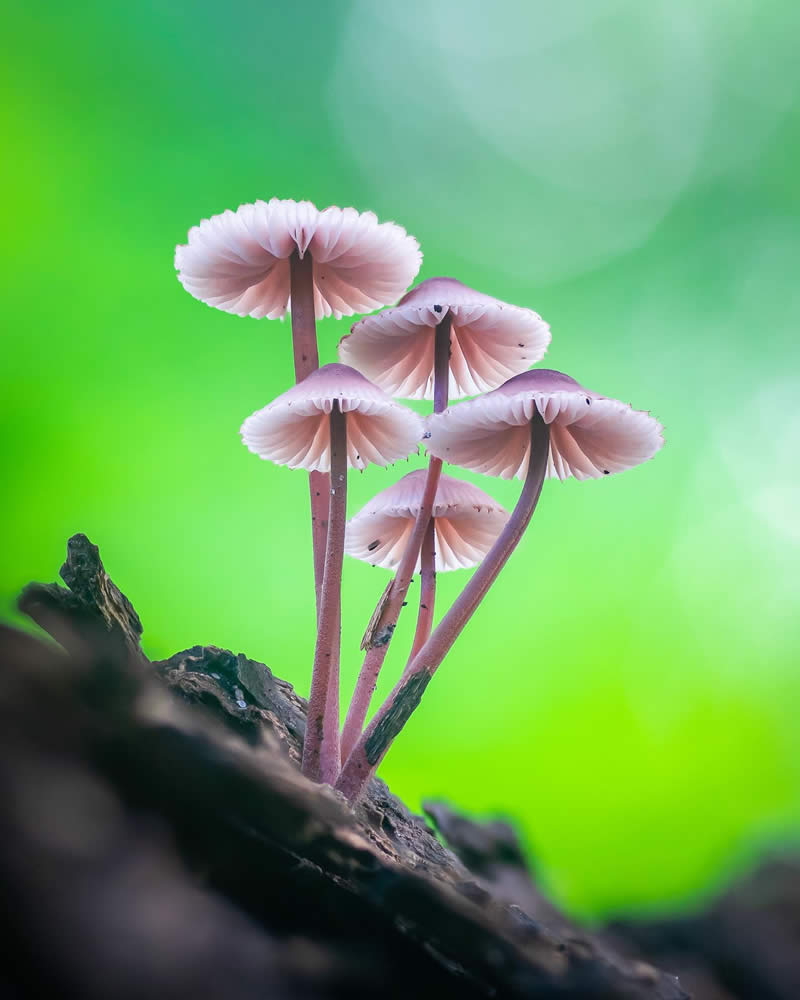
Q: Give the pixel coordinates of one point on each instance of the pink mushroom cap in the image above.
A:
(490, 341)
(293, 429)
(239, 261)
(467, 522)
(590, 435)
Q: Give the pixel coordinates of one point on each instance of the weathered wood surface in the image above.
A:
(159, 839)
(92, 607)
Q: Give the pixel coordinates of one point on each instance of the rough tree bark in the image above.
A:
(159, 839)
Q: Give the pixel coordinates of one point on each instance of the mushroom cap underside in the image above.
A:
(490, 341)
(467, 522)
(293, 430)
(590, 435)
(239, 261)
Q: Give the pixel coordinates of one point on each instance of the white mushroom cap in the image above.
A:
(239, 261)
(467, 523)
(490, 341)
(590, 435)
(293, 429)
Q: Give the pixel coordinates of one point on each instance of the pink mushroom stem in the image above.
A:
(385, 626)
(441, 363)
(306, 360)
(331, 719)
(321, 755)
(393, 602)
(427, 591)
(376, 739)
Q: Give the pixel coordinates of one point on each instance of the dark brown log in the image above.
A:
(745, 944)
(93, 609)
(159, 839)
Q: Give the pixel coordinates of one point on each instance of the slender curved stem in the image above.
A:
(306, 360)
(393, 601)
(321, 756)
(385, 626)
(390, 718)
(319, 484)
(427, 591)
(441, 363)
(333, 760)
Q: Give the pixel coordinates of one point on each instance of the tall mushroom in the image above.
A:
(270, 257)
(464, 524)
(334, 419)
(489, 341)
(538, 423)
(443, 340)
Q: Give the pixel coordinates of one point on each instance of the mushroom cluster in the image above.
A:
(442, 341)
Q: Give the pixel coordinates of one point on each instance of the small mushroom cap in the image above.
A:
(239, 261)
(590, 435)
(467, 523)
(490, 341)
(294, 429)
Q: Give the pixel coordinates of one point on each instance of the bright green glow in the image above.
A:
(627, 692)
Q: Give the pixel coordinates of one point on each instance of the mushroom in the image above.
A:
(490, 341)
(590, 435)
(442, 339)
(464, 524)
(270, 257)
(334, 419)
(538, 423)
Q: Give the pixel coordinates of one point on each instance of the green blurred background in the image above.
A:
(628, 692)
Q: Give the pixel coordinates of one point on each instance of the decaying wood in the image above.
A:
(93, 608)
(491, 850)
(744, 944)
(159, 839)
(369, 639)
